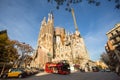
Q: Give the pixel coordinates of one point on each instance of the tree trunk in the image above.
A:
(2, 70)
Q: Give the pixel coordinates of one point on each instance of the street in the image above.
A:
(72, 76)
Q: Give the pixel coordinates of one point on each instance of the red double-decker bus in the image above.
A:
(60, 67)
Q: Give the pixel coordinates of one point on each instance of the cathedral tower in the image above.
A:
(45, 41)
(55, 44)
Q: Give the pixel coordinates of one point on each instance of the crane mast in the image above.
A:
(73, 15)
(76, 27)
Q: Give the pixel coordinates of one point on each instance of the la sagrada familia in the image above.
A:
(55, 44)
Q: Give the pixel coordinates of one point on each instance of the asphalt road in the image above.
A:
(72, 76)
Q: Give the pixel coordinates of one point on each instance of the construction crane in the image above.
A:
(76, 27)
(73, 15)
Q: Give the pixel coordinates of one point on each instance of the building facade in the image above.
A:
(44, 51)
(55, 44)
(113, 47)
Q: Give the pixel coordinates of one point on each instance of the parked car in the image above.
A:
(95, 69)
(107, 70)
(34, 70)
(14, 72)
(102, 70)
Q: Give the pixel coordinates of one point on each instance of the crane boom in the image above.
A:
(76, 27)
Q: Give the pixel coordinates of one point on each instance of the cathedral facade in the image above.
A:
(55, 44)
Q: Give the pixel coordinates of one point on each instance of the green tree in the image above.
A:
(105, 58)
(24, 50)
(8, 52)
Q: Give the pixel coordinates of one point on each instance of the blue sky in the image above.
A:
(22, 19)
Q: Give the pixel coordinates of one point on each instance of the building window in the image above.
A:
(112, 34)
(117, 31)
(61, 55)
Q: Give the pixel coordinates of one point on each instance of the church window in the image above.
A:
(117, 31)
(112, 34)
(61, 55)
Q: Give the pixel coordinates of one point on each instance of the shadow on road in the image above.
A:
(72, 76)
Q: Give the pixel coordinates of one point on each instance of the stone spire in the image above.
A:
(43, 21)
(50, 17)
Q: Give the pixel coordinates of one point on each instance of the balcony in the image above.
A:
(115, 35)
(118, 33)
(116, 42)
(118, 46)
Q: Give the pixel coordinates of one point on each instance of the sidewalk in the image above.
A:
(41, 73)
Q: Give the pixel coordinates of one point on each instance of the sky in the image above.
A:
(22, 19)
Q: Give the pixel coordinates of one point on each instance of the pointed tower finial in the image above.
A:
(48, 17)
(51, 12)
(43, 21)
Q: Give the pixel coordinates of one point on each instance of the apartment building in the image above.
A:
(113, 48)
